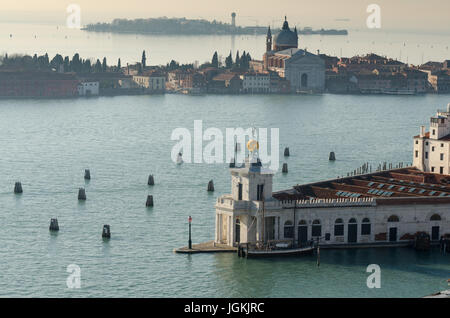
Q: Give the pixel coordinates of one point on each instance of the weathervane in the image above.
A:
(253, 146)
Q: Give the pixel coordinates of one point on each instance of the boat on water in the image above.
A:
(399, 92)
(273, 249)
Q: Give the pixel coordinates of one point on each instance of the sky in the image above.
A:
(406, 15)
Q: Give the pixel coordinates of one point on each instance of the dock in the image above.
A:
(206, 247)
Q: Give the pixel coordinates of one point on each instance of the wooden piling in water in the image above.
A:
(285, 168)
(286, 152)
(54, 227)
(332, 156)
(87, 174)
(18, 188)
(82, 194)
(211, 186)
(151, 180)
(149, 202)
(106, 232)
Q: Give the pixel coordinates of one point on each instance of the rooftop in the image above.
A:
(388, 187)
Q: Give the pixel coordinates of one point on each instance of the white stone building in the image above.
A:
(384, 208)
(152, 82)
(432, 148)
(88, 88)
(255, 83)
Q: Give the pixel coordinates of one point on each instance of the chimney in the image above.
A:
(422, 131)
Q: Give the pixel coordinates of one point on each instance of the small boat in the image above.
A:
(179, 158)
(244, 250)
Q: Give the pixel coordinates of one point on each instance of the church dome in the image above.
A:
(286, 39)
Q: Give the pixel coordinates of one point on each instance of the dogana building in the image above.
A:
(383, 208)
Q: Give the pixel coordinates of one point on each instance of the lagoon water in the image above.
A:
(47, 144)
(410, 47)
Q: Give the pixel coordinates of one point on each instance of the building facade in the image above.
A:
(432, 148)
(384, 208)
(304, 71)
(88, 88)
(154, 82)
(256, 83)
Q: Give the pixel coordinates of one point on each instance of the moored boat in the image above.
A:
(273, 250)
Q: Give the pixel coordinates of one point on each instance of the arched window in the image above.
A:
(352, 221)
(304, 80)
(393, 218)
(316, 228)
(302, 223)
(365, 227)
(288, 230)
(435, 217)
(339, 227)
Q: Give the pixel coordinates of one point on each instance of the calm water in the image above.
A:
(48, 144)
(411, 47)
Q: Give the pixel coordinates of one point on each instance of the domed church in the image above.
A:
(286, 39)
(304, 70)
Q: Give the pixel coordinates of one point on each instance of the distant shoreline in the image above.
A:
(176, 26)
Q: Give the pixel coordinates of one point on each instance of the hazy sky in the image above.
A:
(429, 15)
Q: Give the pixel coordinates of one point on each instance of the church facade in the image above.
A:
(304, 70)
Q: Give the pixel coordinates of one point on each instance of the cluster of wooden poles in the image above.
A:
(106, 232)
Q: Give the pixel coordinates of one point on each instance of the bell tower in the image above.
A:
(269, 40)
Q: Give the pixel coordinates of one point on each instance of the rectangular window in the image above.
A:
(442, 145)
(417, 142)
(434, 132)
(339, 230)
(316, 230)
(417, 154)
(365, 229)
(432, 148)
(426, 155)
(240, 192)
(441, 170)
(260, 192)
(442, 156)
(289, 232)
(432, 169)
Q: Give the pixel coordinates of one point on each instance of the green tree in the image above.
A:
(215, 60)
(229, 61)
(98, 67)
(237, 62)
(66, 64)
(75, 64)
(119, 65)
(104, 65)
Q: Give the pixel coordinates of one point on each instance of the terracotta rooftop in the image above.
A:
(398, 186)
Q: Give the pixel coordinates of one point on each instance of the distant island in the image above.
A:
(183, 26)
